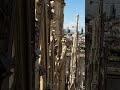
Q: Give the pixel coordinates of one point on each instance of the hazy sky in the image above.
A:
(72, 8)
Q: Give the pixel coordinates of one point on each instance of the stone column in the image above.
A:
(58, 31)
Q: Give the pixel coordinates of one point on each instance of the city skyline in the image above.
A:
(72, 9)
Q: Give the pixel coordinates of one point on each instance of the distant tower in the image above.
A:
(112, 12)
(81, 30)
(68, 30)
